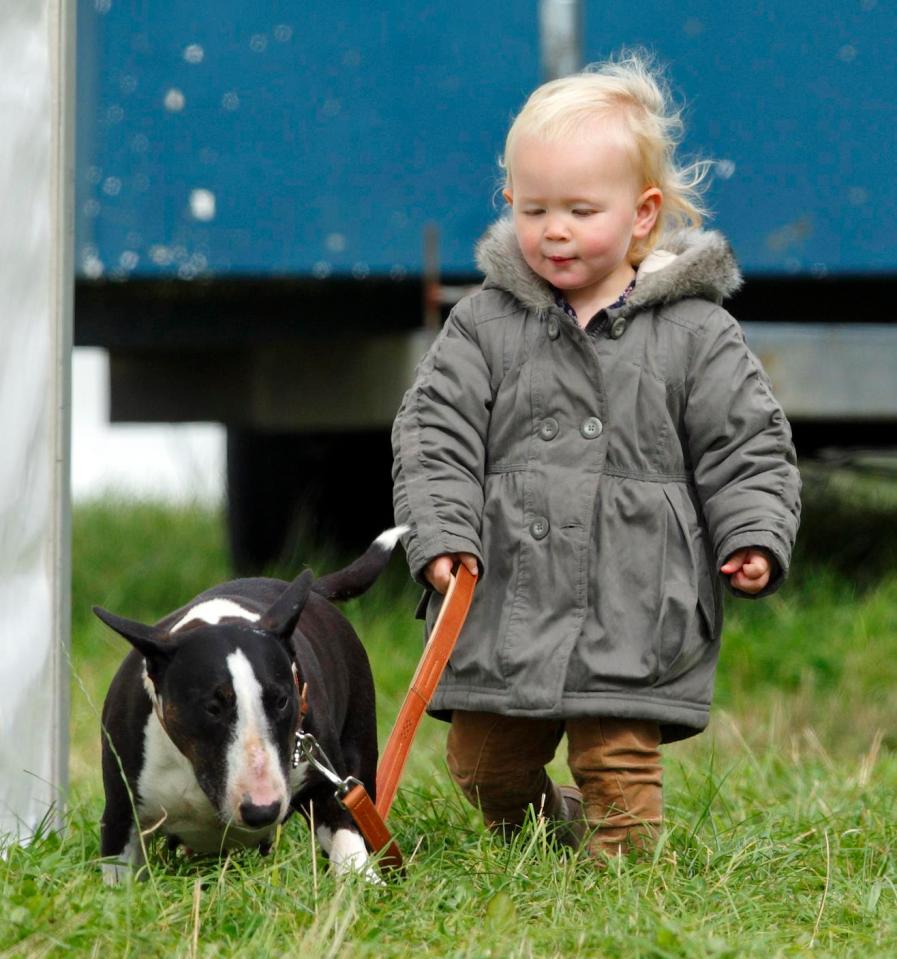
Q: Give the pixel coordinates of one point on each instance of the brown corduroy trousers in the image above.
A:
(499, 764)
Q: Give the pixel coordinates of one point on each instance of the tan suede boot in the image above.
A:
(616, 764)
(499, 762)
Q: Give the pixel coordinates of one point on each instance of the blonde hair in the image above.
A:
(631, 92)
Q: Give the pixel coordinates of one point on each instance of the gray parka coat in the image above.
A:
(600, 480)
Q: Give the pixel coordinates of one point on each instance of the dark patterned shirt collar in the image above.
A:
(597, 321)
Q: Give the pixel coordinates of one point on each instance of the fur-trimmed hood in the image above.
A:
(692, 263)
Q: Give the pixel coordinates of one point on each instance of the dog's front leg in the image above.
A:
(121, 847)
(120, 841)
(338, 837)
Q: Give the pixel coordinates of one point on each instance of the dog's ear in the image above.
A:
(152, 642)
(282, 617)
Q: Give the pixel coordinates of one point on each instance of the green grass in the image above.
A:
(780, 834)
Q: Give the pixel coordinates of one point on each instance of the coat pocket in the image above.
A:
(476, 660)
(694, 577)
(622, 638)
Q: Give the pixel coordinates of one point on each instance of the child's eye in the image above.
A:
(533, 212)
(582, 211)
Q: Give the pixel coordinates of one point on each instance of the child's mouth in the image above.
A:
(561, 259)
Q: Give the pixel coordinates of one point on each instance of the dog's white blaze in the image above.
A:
(253, 767)
(387, 540)
(212, 611)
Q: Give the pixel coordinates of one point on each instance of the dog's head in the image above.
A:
(227, 696)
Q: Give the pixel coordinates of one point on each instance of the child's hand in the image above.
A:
(748, 569)
(438, 571)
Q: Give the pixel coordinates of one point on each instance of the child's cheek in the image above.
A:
(529, 247)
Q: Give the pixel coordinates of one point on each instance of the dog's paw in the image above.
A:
(347, 853)
(115, 873)
(358, 866)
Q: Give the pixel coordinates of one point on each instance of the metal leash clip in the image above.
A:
(310, 748)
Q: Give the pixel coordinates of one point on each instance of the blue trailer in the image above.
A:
(274, 199)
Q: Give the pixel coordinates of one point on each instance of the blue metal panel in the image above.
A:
(799, 102)
(318, 139)
(321, 136)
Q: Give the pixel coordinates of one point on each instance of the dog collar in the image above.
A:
(302, 693)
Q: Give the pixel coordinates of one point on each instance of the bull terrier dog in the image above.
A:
(200, 721)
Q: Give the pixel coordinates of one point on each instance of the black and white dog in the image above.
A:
(199, 723)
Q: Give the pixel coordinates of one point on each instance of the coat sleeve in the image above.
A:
(741, 451)
(439, 447)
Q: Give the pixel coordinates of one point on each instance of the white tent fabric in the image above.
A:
(35, 348)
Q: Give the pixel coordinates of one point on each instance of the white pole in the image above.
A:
(560, 37)
(36, 157)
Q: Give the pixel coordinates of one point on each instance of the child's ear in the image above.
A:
(647, 210)
(509, 197)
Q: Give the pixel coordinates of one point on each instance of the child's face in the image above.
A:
(578, 205)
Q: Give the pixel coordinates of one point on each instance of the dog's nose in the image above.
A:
(258, 816)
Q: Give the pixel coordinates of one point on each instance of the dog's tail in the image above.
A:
(355, 578)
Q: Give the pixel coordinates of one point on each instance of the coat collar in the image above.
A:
(692, 263)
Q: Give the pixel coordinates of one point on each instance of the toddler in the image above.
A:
(591, 433)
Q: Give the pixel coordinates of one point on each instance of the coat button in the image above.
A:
(591, 428)
(553, 328)
(539, 527)
(618, 328)
(549, 428)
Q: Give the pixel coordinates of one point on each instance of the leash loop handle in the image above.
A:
(372, 827)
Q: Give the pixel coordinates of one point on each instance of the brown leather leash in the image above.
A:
(442, 640)
(377, 836)
(371, 819)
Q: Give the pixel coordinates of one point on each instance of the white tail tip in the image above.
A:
(388, 538)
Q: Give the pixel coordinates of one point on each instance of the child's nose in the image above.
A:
(556, 228)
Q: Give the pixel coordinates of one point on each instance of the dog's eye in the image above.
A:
(282, 703)
(213, 708)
